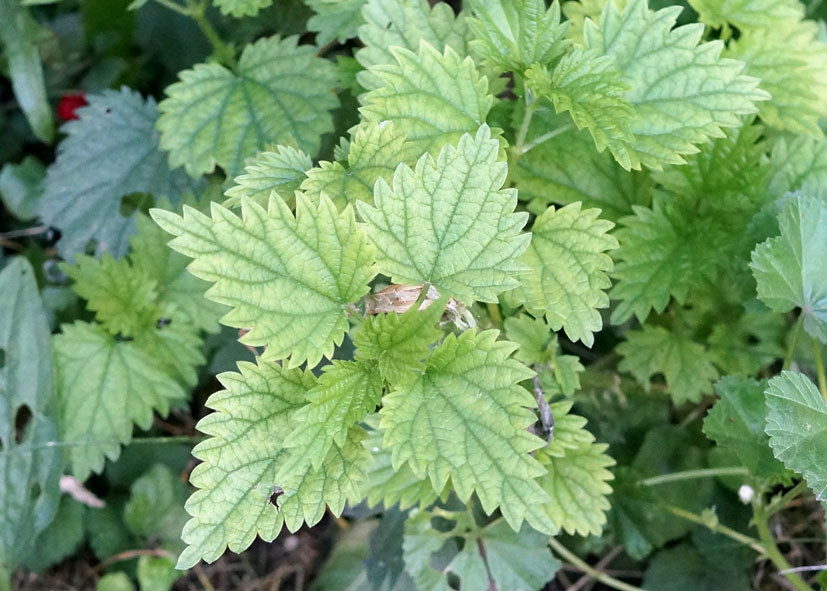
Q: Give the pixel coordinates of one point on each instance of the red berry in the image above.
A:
(69, 104)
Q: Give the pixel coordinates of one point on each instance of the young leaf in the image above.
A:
(465, 419)
(432, 98)
(109, 152)
(104, 386)
(737, 422)
(404, 23)
(155, 508)
(280, 93)
(747, 14)
(240, 8)
(281, 171)
(684, 363)
(682, 91)
(797, 162)
(335, 19)
(289, 279)
(797, 426)
(449, 223)
(567, 268)
(538, 344)
(29, 467)
(512, 35)
(791, 269)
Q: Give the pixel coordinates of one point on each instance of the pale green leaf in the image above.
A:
(682, 91)
(577, 11)
(797, 426)
(29, 467)
(567, 270)
(280, 93)
(104, 386)
(791, 269)
(287, 278)
(449, 223)
(335, 19)
(111, 151)
(796, 162)
(399, 343)
(538, 344)
(281, 171)
(737, 422)
(155, 509)
(464, 418)
(432, 98)
(374, 152)
(747, 14)
(157, 573)
(685, 364)
(791, 61)
(513, 34)
(239, 8)
(404, 23)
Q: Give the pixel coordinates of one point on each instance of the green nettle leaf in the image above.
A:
(287, 278)
(747, 14)
(737, 422)
(797, 162)
(335, 19)
(797, 426)
(104, 386)
(791, 269)
(21, 186)
(29, 468)
(399, 343)
(514, 34)
(280, 93)
(538, 343)
(449, 223)
(464, 418)
(239, 8)
(404, 23)
(567, 270)
(374, 152)
(110, 152)
(586, 85)
(432, 98)
(682, 91)
(156, 506)
(345, 394)
(685, 364)
(790, 58)
(282, 171)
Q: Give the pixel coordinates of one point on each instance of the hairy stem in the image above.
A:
(773, 553)
(788, 496)
(788, 358)
(718, 528)
(546, 136)
(693, 474)
(572, 558)
(822, 380)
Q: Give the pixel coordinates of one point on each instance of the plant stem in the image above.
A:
(572, 558)
(693, 474)
(545, 137)
(788, 496)
(198, 12)
(772, 551)
(174, 7)
(495, 315)
(788, 358)
(720, 529)
(822, 380)
(516, 150)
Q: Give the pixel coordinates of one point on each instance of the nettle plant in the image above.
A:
(428, 309)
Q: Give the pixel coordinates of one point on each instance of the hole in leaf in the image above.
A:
(441, 524)
(162, 322)
(22, 418)
(274, 497)
(36, 490)
(135, 202)
(2, 358)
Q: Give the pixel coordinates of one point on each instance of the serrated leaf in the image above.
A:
(155, 508)
(335, 19)
(791, 61)
(512, 35)
(449, 223)
(111, 151)
(684, 363)
(465, 419)
(432, 98)
(567, 270)
(404, 23)
(797, 162)
(374, 152)
(240, 459)
(104, 386)
(791, 270)
(737, 422)
(29, 467)
(345, 394)
(281, 171)
(239, 8)
(747, 14)
(279, 93)
(399, 343)
(291, 277)
(797, 427)
(586, 85)
(538, 344)
(682, 91)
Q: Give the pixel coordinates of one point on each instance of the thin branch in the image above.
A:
(694, 474)
(573, 559)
